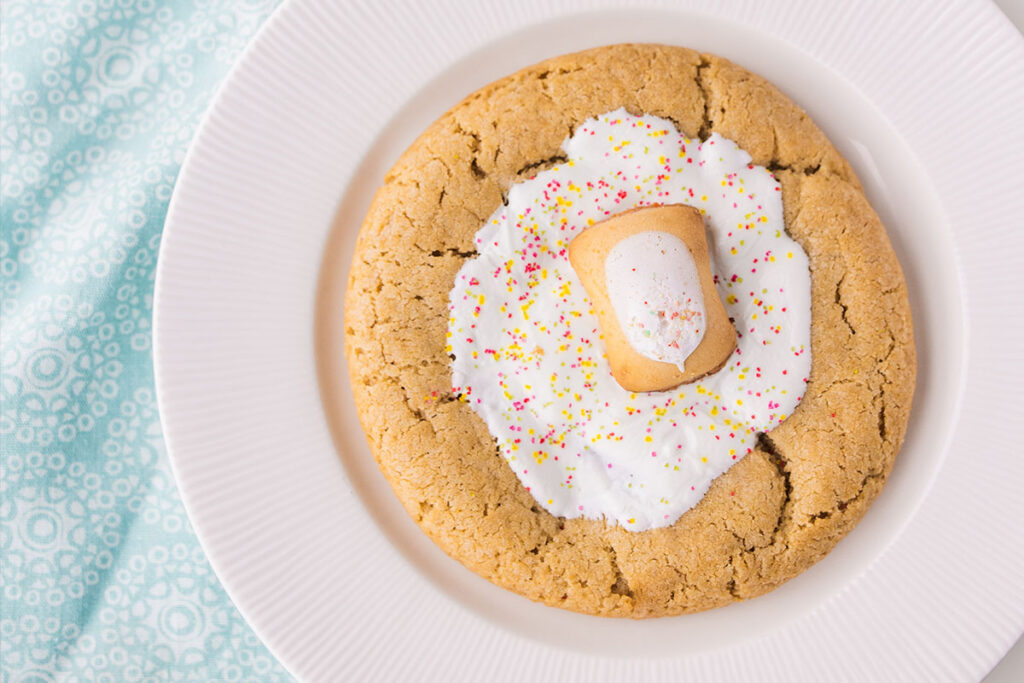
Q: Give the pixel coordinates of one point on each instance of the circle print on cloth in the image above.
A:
(102, 577)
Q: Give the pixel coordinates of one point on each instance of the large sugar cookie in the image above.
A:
(775, 512)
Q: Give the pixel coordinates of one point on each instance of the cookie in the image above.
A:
(781, 507)
(698, 335)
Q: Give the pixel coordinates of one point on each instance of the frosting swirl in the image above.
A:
(655, 290)
(527, 351)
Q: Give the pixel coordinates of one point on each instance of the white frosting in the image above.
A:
(526, 344)
(654, 288)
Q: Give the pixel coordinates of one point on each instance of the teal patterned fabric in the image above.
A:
(102, 578)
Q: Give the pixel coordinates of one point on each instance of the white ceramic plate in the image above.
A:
(305, 534)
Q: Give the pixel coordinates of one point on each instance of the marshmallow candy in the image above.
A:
(648, 275)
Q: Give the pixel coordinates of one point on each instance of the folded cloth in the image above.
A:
(102, 577)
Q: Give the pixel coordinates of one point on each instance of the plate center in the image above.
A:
(900, 192)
